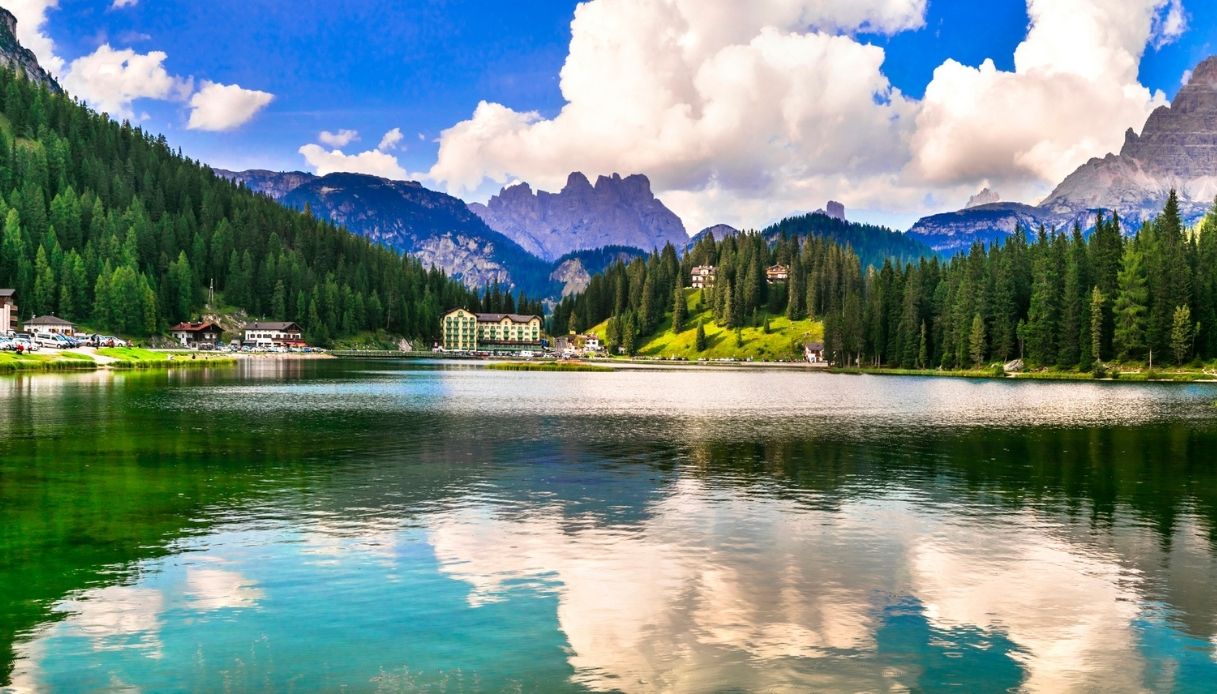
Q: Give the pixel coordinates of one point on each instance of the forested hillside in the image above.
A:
(872, 244)
(1062, 301)
(106, 225)
(636, 297)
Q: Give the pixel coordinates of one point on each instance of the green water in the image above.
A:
(363, 526)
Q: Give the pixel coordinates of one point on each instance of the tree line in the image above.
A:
(1060, 300)
(106, 225)
(1065, 300)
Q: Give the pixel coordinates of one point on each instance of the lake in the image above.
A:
(382, 526)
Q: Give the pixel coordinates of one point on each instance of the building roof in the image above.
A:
(7, 292)
(195, 327)
(48, 320)
(282, 326)
(815, 346)
(496, 317)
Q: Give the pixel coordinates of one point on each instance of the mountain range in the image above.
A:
(615, 211)
(436, 228)
(1177, 149)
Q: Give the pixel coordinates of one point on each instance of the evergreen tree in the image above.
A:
(1182, 332)
(678, 309)
(976, 340)
(1130, 306)
(1097, 305)
(699, 341)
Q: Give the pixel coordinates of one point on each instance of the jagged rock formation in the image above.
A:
(984, 197)
(14, 56)
(437, 229)
(276, 184)
(615, 211)
(835, 210)
(1177, 149)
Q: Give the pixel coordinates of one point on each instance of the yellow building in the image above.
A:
(465, 331)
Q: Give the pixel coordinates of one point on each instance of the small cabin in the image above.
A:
(814, 352)
(197, 333)
(54, 325)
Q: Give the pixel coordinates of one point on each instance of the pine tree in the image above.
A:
(699, 341)
(1130, 306)
(678, 309)
(1182, 332)
(1097, 305)
(976, 340)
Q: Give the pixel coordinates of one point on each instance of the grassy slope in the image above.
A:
(10, 361)
(783, 342)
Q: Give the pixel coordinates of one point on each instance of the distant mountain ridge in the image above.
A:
(615, 211)
(1177, 149)
(436, 228)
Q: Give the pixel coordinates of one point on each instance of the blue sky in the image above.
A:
(424, 66)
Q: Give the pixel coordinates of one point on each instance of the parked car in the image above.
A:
(7, 344)
(26, 342)
(46, 340)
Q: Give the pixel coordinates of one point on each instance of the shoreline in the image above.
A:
(132, 359)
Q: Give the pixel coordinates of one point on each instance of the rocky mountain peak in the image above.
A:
(1205, 72)
(17, 57)
(616, 211)
(577, 183)
(984, 197)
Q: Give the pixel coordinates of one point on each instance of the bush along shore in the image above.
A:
(1128, 373)
(545, 366)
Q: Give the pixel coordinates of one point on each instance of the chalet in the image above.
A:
(814, 352)
(279, 333)
(591, 344)
(778, 274)
(49, 324)
(465, 331)
(8, 310)
(703, 276)
(195, 334)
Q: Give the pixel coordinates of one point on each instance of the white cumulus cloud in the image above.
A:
(372, 162)
(734, 103)
(342, 138)
(1072, 94)
(119, 4)
(744, 112)
(220, 107)
(110, 79)
(391, 140)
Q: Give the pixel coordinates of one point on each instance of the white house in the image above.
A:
(703, 276)
(50, 324)
(281, 333)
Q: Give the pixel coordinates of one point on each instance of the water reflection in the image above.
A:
(669, 531)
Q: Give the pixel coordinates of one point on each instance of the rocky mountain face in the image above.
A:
(1177, 149)
(574, 271)
(276, 184)
(615, 211)
(14, 56)
(719, 231)
(437, 229)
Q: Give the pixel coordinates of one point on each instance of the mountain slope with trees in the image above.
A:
(107, 225)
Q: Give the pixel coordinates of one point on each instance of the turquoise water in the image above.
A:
(372, 526)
